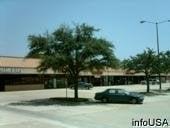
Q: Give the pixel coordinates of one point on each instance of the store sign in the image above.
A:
(10, 70)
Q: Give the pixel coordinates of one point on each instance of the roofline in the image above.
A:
(12, 56)
(20, 57)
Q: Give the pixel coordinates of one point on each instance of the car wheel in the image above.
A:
(104, 100)
(133, 101)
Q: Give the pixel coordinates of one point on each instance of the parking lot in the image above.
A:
(83, 116)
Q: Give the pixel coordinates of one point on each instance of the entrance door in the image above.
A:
(2, 85)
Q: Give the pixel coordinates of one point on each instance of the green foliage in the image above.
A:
(148, 63)
(165, 62)
(144, 62)
(72, 50)
(37, 46)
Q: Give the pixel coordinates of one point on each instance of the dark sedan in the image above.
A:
(119, 96)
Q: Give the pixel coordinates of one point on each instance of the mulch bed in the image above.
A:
(56, 101)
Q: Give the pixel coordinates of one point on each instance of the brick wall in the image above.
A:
(24, 87)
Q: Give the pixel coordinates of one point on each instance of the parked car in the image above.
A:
(143, 82)
(151, 81)
(119, 95)
(83, 85)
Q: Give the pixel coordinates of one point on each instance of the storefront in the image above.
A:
(18, 73)
(21, 74)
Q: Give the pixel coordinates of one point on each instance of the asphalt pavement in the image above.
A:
(84, 116)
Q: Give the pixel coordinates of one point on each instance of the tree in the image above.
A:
(72, 50)
(165, 62)
(143, 62)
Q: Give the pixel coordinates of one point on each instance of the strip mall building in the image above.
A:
(18, 73)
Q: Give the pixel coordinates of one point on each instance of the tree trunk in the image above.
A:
(147, 82)
(76, 88)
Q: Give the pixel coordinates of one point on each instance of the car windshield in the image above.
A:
(126, 92)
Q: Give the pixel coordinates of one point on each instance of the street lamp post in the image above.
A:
(157, 37)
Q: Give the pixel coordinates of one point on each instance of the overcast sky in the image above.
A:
(117, 19)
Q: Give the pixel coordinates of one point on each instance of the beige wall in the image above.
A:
(23, 87)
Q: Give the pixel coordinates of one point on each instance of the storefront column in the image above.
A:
(54, 83)
(2, 85)
(106, 83)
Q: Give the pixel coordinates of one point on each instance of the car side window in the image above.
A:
(112, 91)
(121, 92)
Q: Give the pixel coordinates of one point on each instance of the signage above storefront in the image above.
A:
(20, 70)
(10, 70)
